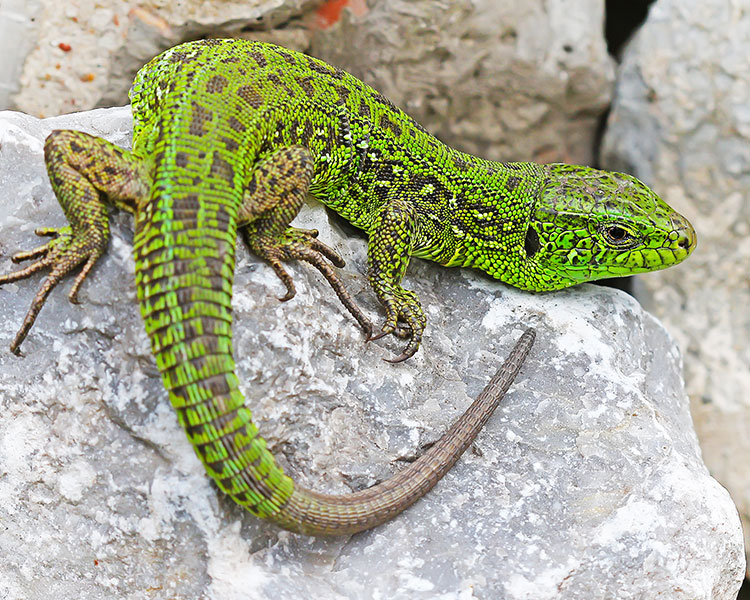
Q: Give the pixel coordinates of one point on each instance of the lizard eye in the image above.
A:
(617, 236)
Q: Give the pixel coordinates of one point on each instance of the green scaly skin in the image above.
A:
(232, 136)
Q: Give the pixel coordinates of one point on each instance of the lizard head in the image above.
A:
(589, 224)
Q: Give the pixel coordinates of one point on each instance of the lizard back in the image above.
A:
(365, 149)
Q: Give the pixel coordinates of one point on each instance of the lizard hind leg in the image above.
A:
(82, 170)
(276, 189)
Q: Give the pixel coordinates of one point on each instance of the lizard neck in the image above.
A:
(483, 216)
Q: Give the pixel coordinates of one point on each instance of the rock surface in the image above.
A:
(506, 80)
(87, 51)
(587, 483)
(18, 32)
(681, 122)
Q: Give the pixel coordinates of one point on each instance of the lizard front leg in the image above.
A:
(83, 170)
(275, 191)
(391, 240)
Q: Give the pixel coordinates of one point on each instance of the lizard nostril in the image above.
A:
(686, 239)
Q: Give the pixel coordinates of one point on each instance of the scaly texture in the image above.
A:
(232, 136)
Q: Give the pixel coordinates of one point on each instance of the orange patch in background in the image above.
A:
(329, 13)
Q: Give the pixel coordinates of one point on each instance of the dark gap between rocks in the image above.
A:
(622, 19)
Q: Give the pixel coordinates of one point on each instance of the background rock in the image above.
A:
(681, 122)
(506, 80)
(18, 32)
(586, 484)
(503, 80)
(86, 51)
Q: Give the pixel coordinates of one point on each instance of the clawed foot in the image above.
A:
(404, 316)
(63, 253)
(302, 244)
(404, 319)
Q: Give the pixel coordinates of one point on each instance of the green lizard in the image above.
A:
(232, 136)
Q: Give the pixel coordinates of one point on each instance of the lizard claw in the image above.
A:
(400, 358)
(377, 336)
(401, 331)
(404, 319)
(409, 351)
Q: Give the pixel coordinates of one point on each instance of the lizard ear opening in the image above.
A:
(531, 243)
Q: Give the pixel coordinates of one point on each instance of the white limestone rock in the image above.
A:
(681, 122)
(587, 483)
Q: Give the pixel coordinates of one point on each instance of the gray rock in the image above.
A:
(587, 483)
(61, 57)
(66, 56)
(501, 79)
(18, 32)
(681, 122)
